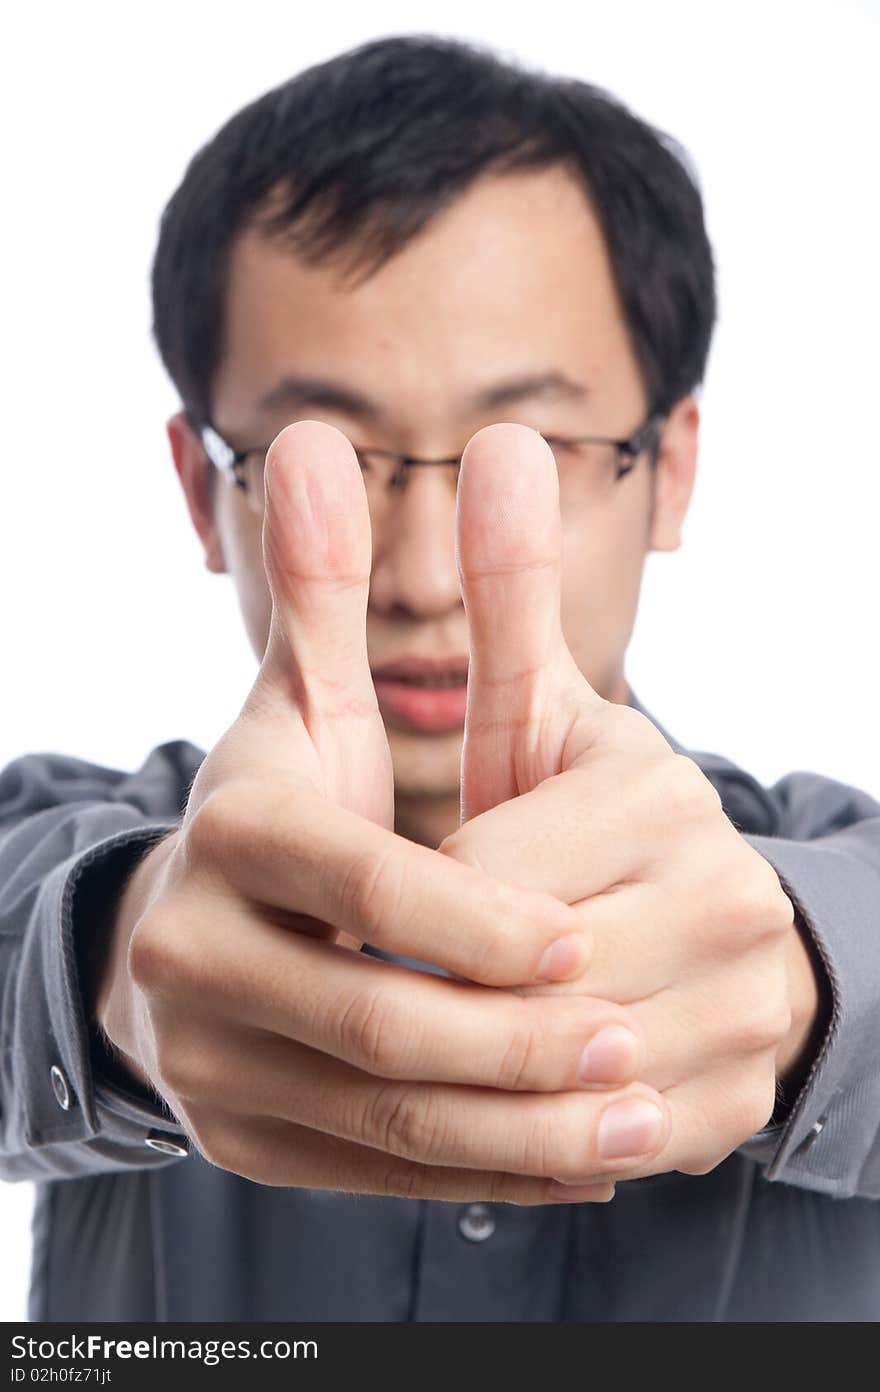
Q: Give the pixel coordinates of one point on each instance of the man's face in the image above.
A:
(502, 309)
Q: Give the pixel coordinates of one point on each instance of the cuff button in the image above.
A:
(165, 1144)
(60, 1088)
(812, 1135)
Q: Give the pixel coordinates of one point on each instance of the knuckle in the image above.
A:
(166, 954)
(146, 957)
(234, 816)
(154, 953)
(767, 1025)
(371, 894)
(246, 1151)
(507, 1188)
(753, 1034)
(627, 730)
(691, 794)
(373, 1033)
(553, 1148)
(758, 1104)
(172, 1068)
(520, 1062)
(490, 950)
(398, 1123)
(750, 1108)
(743, 909)
(779, 910)
(740, 1111)
(700, 1163)
(409, 1182)
(412, 1181)
(184, 1068)
(679, 791)
(755, 904)
(211, 829)
(784, 1020)
(218, 1144)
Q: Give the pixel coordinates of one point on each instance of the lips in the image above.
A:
(425, 670)
(417, 693)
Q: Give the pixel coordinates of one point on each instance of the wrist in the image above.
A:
(811, 1008)
(112, 1004)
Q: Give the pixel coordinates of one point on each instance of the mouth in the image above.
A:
(423, 694)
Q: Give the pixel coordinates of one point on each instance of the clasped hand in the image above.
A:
(626, 980)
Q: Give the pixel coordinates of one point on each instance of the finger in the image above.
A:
(395, 1023)
(712, 1016)
(317, 555)
(276, 1152)
(710, 1117)
(509, 559)
(547, 1134)
(300, 854)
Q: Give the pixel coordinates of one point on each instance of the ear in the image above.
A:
(675, 473)
(197, 477)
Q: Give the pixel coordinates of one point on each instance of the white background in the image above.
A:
(755, 640)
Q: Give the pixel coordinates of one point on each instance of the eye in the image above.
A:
(560, 445)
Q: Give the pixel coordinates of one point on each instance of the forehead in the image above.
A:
(514, 277)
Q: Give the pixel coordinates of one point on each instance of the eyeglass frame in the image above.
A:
(229, 461)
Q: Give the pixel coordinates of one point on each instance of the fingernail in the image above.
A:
(610, 1056)
(562, 959)
(629, 1128)
(580, 1193)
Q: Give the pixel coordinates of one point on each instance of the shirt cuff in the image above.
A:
(72, 1089)
(827, 1140)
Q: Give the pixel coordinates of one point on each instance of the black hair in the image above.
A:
(355, 155)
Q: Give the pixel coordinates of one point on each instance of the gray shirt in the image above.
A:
(786, 1228)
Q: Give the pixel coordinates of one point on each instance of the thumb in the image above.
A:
(314, 696)
(524, 687)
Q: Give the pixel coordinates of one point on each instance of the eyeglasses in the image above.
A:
(588, 465)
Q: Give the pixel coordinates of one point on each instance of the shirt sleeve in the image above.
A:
(827, 855)
(70, 832)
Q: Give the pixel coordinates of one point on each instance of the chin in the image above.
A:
(426, 765)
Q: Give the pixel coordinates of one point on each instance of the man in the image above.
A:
(609, 1052)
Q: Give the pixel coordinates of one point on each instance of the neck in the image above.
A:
(620, 692)
(427, 820)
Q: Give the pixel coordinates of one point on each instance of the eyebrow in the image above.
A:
(551, 384)
(295, 392)
(292, 393)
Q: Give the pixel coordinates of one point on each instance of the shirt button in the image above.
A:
(60, 1088)
(166, 1145)
(476, 1222)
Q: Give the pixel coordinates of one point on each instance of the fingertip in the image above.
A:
(317, 553)
(564, 960)
(306, 433)
(508, 509)
(611, 1057)
(317, 515)
(633, 1128)
(507, 441)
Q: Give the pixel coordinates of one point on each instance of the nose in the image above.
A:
(414, 569)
